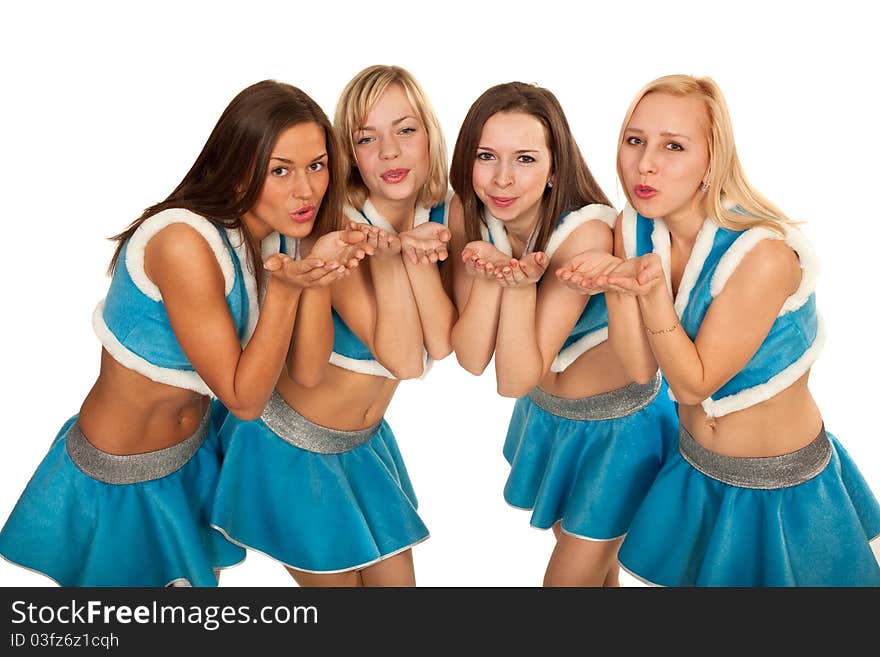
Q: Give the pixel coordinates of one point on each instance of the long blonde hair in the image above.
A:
(355, 103)
(733, 202)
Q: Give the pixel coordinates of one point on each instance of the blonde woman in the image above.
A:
(758, 494)
(318, 482)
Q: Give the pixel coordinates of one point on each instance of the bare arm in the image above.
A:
(625, 332)
(422, 249)
(536, 320)
(477, 299)
(313, 332)
(377, 303)
(312, 338)
(736, 324)
(184, 268)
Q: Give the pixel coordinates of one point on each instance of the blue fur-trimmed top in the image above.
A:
(591, 328)
(349, 351)
(131, 321)
(795, 338)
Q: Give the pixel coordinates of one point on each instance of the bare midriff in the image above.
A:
(128, 413)
(782, 424)
(594, 372)
(343, 399)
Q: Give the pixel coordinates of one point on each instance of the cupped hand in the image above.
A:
(345, 247)
(425, 244)
(482, 260)
(637, 276)
(587, 272)
(523, 271)
(385, 245)
(309, 272)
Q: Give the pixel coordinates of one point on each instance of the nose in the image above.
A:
(503, 175)
(647, 163)
(301, 186)
(389, 148)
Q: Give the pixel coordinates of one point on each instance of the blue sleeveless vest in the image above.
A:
(349, 352)
(132, 323)
(591, 329)
(795, 338)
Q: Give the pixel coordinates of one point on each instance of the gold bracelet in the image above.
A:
(666, 330)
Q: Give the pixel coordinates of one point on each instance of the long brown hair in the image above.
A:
(227, 177)
(574, 185)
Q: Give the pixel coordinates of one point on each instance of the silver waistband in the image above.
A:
(132, 468)
(604, 406)
(763, 472)
(305, 434)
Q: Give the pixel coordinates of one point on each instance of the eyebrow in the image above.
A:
(286, 161)
(523, 150)
(395, 122)
(663, 133)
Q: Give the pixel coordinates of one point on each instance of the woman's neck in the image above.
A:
(684, 225)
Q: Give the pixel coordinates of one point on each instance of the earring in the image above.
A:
(549, 184)
(704, 186)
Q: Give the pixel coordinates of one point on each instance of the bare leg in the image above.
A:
(612, 579)
(350, 578)
(393, 571)
(581, 562)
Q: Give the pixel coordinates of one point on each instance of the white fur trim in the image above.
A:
(573, 351)
(662, 247)
(376, 219)
(498, 233)
(374, 367)
(809, 270)
(178, 378)
(137, 244)
(574, 220)
(699, 253)
(735, 253)
(422, 215)
(775, 385)
(271, 245)
(352, 214)
(629, 223)
(809, 263)
(446, 204)
(370, 215)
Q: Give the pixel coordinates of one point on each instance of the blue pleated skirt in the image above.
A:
(695, 530)
(315, 512)
(81, 531)
(589, 474)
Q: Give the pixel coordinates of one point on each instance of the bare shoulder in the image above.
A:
(180, 248)
(591, 235)
(771, 265)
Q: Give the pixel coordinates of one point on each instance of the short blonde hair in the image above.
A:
(734, 203)
(355, 103)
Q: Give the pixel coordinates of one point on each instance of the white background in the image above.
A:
(106, 106)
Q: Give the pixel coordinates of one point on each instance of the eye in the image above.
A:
(674, 146)
(525, 159)
(406, 131)
(634, 141)
(484, 156)
(317, 166)
(279, 171)
(362, 141)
